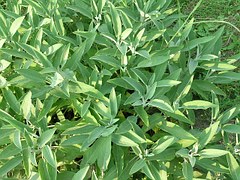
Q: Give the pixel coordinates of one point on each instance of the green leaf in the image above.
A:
(147, 171)
(52, 171)
(49, 156)
(207, 57)
(192, 65)
(103, 147)
(161, 104)
(135, 137)
(116, 21)
(3, 24)
(210, 47)
(218, 66)
(16, 53)
(27, 160)
(9, 165)
(11, 100)
(145, 54)
(85, 108)
(231, 128)
(201, 84)
(52, 49)
(137, 166)
(76, 139)
(198, 104)
(142, 114)
(207, 135)
(123, 140)
(95, 134)
(33, 75)
(59, 22)
(195, 42)
(91, 91)
(28, 138)
(153, 34)
(212, 165)
(151, 90)
(101, 4)
(229, 114)
(233, 166)
(134, 84)
(16, 25)
(184, 88)
(126, 33)
(76, 57)
(80, 129)
(63, 55)
(9, 151)
(187, 29)
(36, 54)
(163, 143)
(187, 171)
(37, 6)
(215, 111)
(48, 102)
(81, 9)
(212, 153)
(124, 127)
(109, 131)
(11, 120)
(3, 82)
(38, 39)
(4, 64)
(17, 139)
(113, 103)
(180, 116)
(81, 173)
(45, 137)
(56, 80)
(126, 20)
(167, 83)
(139, 36)
(178, 132)
(107, 60)
(120, 82)
(225, 77)
(26, 105)
(42, 169)
(154, 61)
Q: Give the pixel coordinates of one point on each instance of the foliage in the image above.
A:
(112, 90)
(212, 11)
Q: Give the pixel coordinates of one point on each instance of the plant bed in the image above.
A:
(113, 90)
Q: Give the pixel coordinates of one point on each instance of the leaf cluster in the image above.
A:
(112, 90)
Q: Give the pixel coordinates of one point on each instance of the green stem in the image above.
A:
(185, 22)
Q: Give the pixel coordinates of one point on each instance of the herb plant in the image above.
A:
(113, 90)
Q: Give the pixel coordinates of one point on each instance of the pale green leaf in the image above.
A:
(11, 100)
(123, 140)
(9, 165)
(187, 171)
(207, 135)
(45, 137)
(16, 25)
(26, 105)
(212, 153)
(49, 156)
(80, 175)
(198, 104)
(233, 166)
(137, 166)
(161, 104)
